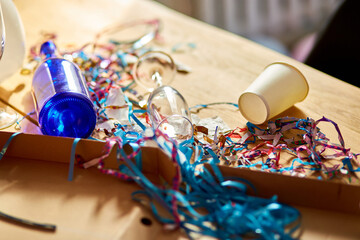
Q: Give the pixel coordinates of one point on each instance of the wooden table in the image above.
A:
(223, 66)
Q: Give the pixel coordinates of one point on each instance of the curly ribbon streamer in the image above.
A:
(225, 199)
(28, 223)
(5, 147)
(72, 159)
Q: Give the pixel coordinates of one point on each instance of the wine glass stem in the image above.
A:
(2, 33)
(156, 77)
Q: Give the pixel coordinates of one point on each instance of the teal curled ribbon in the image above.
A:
(234, 213)
(72, 159)
(6, 145)
(206, 202)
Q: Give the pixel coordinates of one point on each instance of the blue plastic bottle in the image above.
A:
(61, 97)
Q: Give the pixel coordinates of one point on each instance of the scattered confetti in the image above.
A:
(199, 202)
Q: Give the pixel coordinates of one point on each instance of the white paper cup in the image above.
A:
(276, 89)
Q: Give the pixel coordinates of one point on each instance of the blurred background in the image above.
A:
(321, 33)
(286, 26)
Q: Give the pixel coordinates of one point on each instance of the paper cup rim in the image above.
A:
(298, 71)
(262, 99)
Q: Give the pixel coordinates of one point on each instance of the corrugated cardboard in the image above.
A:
(34, 185)
(307, 192)
(58, 149)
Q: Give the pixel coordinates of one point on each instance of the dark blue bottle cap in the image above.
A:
(48, 49)
(68, 114)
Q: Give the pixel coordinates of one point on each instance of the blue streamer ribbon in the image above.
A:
(5, 147)
(72, 159)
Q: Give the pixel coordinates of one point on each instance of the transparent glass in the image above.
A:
(129, 35)
(12, 40)
(154, 69)
(169, 112)
(12, 58)
(8, 117)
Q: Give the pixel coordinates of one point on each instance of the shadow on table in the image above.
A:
(6, 94)
(291, 112)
